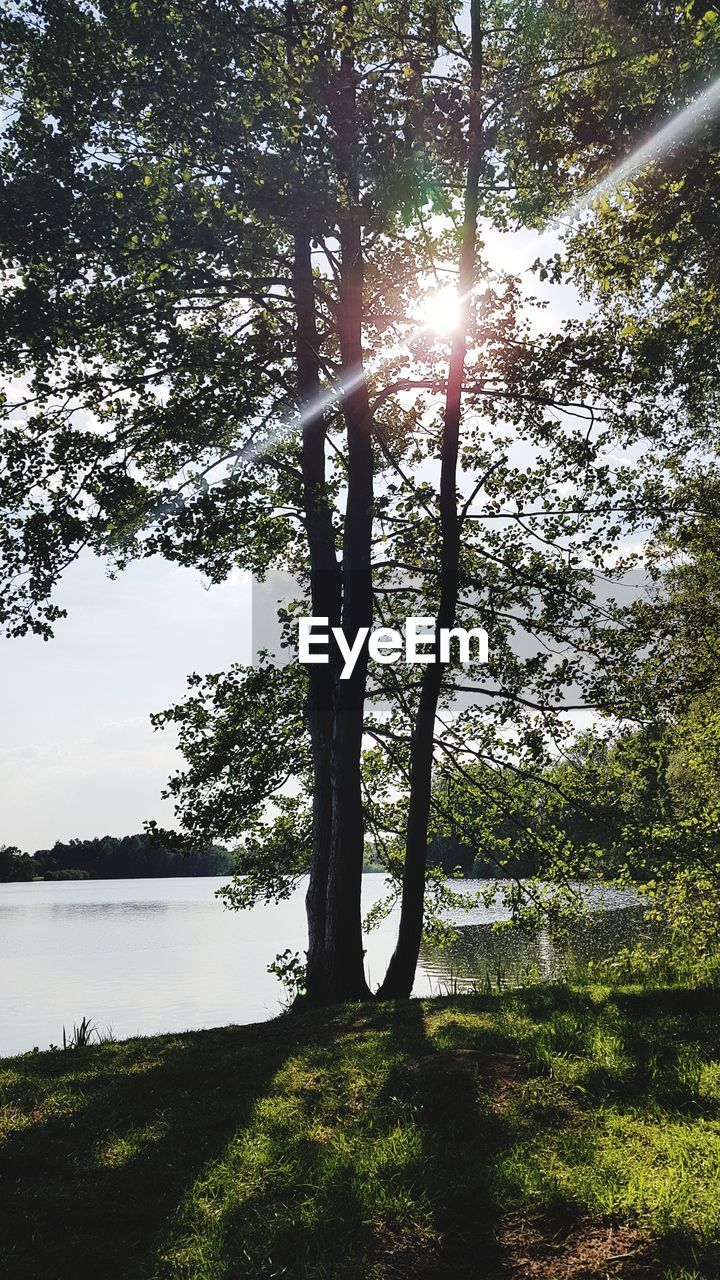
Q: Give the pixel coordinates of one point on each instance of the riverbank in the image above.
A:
(148, 956)
(549, 1133)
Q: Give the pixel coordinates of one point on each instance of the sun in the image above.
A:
(439, 312)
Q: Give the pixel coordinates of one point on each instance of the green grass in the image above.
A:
(550, 1133)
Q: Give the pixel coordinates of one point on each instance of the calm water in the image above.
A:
(144, 956)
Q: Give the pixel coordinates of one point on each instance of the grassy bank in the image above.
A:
(547, 1134)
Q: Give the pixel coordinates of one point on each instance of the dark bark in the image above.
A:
(343, 930)
(400, 976)
(325, 597)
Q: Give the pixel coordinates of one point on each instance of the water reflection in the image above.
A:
(482, 955)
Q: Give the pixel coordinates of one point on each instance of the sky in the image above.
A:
(78, 756)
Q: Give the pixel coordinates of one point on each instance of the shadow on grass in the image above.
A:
(461, 1137)
(109, 1140)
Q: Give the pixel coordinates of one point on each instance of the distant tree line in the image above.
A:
(456, 855)
(111, 858)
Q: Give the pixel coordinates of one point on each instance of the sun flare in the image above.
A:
(439, 312)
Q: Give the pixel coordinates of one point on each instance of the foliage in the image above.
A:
(67, 873)
(289, 968)
(82, 1035)
(160, 168)
(244, 738)
(14, 865)
(113, 858)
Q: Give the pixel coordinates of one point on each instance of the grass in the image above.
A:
(553, 1134)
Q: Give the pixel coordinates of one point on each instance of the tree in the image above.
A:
(210, 215)
(14, 865)
(190, 203)
(125, 857)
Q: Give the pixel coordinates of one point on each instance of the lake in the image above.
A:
(146, 956)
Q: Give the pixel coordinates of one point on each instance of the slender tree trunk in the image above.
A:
(343, 927)
(325, 597)
(400, 976)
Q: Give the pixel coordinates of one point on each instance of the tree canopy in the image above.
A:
(111, 858)
(225, 229)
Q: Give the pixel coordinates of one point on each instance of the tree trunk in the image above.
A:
(343, 927)
(400, 976)
(325, 597)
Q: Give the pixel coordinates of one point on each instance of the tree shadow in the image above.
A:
(112, 1138)
(295, 1196)
(469, 1082)
(361, 1143)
